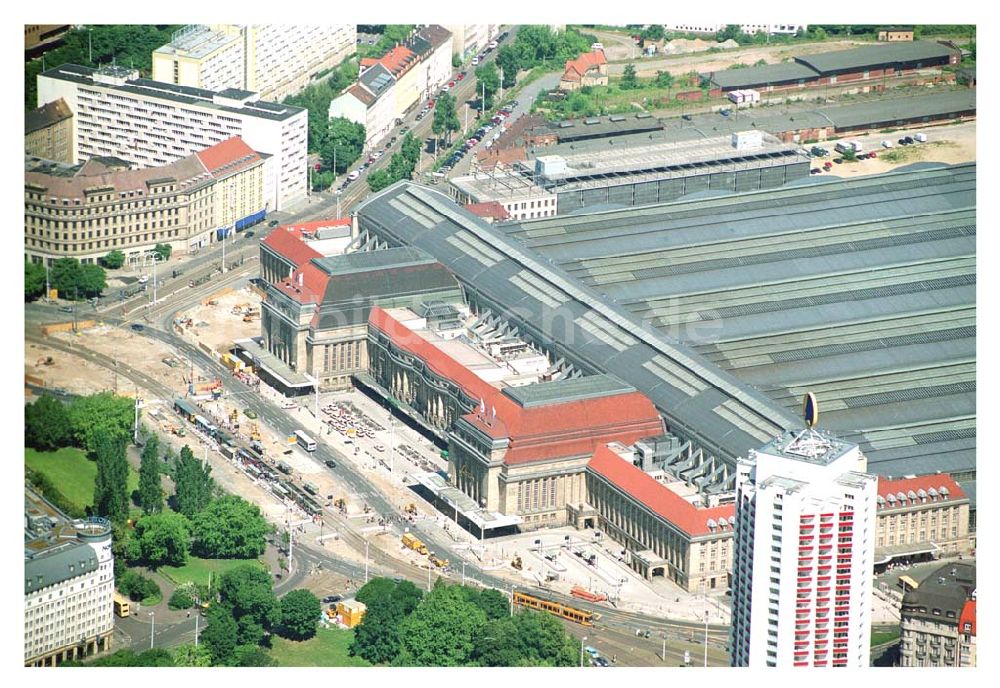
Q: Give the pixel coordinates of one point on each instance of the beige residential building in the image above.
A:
(920, 517)
(470, 39)
(69, 583)
(86, 211)
(937, 623)
(48, 132)
(274, 60)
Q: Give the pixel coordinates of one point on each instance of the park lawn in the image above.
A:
(327, 648)
(879, 637)
(72, 473)
(197, 569)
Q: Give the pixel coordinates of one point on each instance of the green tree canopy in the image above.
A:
(101, 415)
(528, 638)
(629, 80)
(93, 280)
(229, 527)
(378, 180)
(487, 76)
(445, 117)
(442, 630)
(247, 591)
(493, 603)
(300, 611)
(163, 251)
(47, 424)
(163, 539)
(376, 638)
(110, 488)
(34, 280)
(220, 635)
(507, 59)
(150, 488)
(253, 656)
(192, 656)
(346, 139)
(193, 484)
(664, 79)
(114, 260)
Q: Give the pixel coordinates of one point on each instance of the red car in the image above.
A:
(451, 84)
(430, 103)
(459, 77)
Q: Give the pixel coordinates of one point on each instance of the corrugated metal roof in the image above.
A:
(872, 56)
(748, 77)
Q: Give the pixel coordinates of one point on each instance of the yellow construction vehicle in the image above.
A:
(411, 541)
(254, 432)
(438, 561)
(411, 509)
(516, 563)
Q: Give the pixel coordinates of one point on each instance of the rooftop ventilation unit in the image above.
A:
(617, 118)
(592, 120)
(643, 115)
(565, 125)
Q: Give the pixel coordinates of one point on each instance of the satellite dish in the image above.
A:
(810, 409)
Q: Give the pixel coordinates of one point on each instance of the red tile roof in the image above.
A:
(362, 94)
(398, 60)
(313, 284)
(921, 482)
(968, 615)
(656, 497)
(538, 433)
(228, 152)
(585, 62)
(491, 209)
(368, 61)
(286, 242)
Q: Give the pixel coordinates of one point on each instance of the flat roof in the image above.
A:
(273, 364)
(364, 261)
(197, 41)
(159, 90)
(570, 389)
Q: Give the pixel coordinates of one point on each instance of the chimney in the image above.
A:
(300, 280)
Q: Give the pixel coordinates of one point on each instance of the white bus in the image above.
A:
(305, 441)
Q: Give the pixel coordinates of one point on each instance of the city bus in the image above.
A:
(305, 441)
(121, 605)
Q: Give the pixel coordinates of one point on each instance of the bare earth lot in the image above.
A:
(948, 144)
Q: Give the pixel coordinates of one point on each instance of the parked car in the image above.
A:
(330, 599)
(392, 140)
(815, 170)
(403, 130)
(445, 88)
(353, 175)
(902, 142)
(66, 309)
(600, 661)
(461, 75)
(838, 160)
(475, 61)
(248, 234)
(137, 327)
(592, 651)
(909, 140)
(451, 84)
(828, 166)
(272, 223)
(887, 144)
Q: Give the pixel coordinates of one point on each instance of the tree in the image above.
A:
(527, 639)
(181, 599)
(346, 139)
(46, 424)
(163, 539)
(376, 638)
(445, 117)
(220, 635)
(136, 586)
(376, 589)
(114, 260)
(34, 280)
(150, 489)
(664, 80)
(653, 32)
(101, 415)
(229, 527)
(93, 280)
(493, 603)
(64, 275)
(378, 180)
(192, 656)
(253, 656)
(410, 147)
(732, 31)
(246, 591)
(456, 61)
(300, 610)
(507, 60)
(487, 75)
(442, 630)
(110, 490)
(193, 484)
(629, 80)
(163, 251)
(760, 63)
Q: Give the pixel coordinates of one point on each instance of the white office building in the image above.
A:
(274, 60)
(751, 29)
(803, 555)
(150, 124)
(69, 584)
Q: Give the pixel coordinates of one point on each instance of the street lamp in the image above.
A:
(582, 641)
(152, 630)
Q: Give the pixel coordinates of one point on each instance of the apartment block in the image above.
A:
(150, 124)
(274, 60)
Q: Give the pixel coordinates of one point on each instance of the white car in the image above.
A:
(354, 175)
(475, 61)
(143, 279)
(445, 88)
(887, 144)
